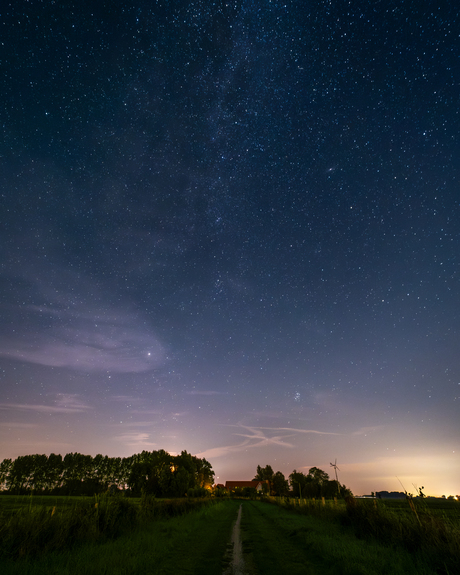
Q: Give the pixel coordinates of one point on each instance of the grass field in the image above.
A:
(428, 529)
(278, 541)
(31, 528)
(193, 543)
(11, 503)
(277, 538)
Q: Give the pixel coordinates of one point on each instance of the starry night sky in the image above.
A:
(233, 228)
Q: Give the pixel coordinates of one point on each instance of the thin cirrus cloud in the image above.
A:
(71, 330)
(206, 392)
(258, 437)
(136, 440)
(64, 403)
(254, 437)
(83, 342)
(315, 431)
(17, 424)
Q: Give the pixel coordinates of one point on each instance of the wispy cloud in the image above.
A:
(254, 437)
(367, 430)
(89, 347)
(64, 403)
(223, 450)
(206, 392)
(28, 446)
(17, 424)
(71, 401)
(127, 399)
(136, 440)
(71, 331)
(134, 424)
(296, 430)
(37, 407)
(256, 434)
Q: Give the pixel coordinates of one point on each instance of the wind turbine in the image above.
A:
(334, 465)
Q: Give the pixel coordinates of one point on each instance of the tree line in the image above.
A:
(314, 484)
(156, 473)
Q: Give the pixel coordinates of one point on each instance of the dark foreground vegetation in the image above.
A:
(169, 537)
(429, 530)
(157, 513)
(31, 527)
(115, 534)
(279, 541)
(157, 473)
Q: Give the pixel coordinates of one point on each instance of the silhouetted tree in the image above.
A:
(265, 474)
(5, 470)
(156, 473)
(298, 482)
(280, 485)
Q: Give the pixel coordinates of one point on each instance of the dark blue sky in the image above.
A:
(233, 228)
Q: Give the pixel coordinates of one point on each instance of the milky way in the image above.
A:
(233, 228)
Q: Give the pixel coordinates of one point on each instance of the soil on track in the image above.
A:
(236, 566)
(261, 545)
(271, 549)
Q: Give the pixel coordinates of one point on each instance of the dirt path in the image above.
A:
(236, 566)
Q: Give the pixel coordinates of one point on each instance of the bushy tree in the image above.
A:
(316, 484)
(318, 475)
(204, 473)
(280, 485)
(154, 473)
(5, 470)
(298, 482)
(54, 472)
(264, 473)
(277, 483)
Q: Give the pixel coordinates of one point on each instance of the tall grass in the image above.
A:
(424, 531)
(32, 530)
(434, 537)
(283, 542)
(188, 544)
